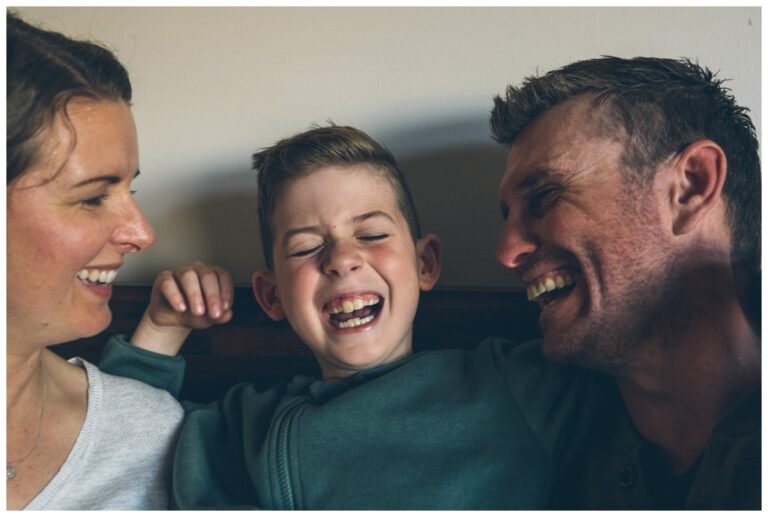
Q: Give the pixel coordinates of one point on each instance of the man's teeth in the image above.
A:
(355, 322)
(95, 275)
(550, 284)
(355, 304)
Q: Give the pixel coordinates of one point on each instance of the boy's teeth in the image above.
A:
(550, 284)
(355, 304)
(354, 322)
(106, 276)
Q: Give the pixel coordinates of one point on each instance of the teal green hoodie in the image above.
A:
(450, 429)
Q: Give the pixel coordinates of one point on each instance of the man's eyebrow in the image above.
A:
(540, 175)
(108, 178)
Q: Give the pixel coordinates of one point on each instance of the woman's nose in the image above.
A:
(134, 233)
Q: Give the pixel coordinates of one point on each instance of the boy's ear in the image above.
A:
(428, 249)
(697, 184)
(265, 292)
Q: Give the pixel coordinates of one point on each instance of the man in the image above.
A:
(632, 205)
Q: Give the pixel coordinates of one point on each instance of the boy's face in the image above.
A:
(347, 272)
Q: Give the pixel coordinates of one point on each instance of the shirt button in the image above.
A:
(626, 477)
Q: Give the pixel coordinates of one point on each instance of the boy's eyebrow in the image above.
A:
(317, 230)
(295, 231)
(371, 215)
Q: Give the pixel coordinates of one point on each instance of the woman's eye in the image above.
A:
(94, 202)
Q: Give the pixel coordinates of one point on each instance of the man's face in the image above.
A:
(589, 248)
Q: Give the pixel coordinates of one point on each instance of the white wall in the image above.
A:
(213, 85)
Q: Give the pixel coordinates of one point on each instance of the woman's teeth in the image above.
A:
(550, 284)
(96, 275)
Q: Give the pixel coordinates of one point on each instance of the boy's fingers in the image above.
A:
(209, 281)
(188, 279)
(225, 316)
(170, 290)
(226, 287)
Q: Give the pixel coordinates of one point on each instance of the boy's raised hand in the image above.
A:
(195, 296)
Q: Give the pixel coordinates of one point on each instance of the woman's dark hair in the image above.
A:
(45, 70)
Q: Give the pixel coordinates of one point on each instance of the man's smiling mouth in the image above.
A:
(349, 312)
(550, 287)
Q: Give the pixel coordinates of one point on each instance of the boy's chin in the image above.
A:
(357, 360)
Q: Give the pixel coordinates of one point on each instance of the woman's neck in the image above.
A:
(22, 373)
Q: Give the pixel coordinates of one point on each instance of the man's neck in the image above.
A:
(690, 378)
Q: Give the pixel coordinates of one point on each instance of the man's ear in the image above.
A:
(428, 249)
(697, 185)
(265, 292)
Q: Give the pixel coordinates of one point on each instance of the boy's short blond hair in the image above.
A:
(293, 158)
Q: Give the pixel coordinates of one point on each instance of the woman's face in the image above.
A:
(71, 219)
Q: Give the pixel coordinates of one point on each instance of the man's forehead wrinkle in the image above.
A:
(538, 175)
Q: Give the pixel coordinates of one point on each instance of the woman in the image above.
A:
(76, 438)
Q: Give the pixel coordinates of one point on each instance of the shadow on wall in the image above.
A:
(456, 193)
(221, 228)
(455, 184)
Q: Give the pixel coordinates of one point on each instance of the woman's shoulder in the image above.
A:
(128, 398)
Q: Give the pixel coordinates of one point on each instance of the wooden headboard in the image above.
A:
(254, 348)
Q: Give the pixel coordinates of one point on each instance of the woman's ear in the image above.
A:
(428, 250)
(697, 184)
(265, 292)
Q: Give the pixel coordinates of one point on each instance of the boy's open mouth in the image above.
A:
(349, 312)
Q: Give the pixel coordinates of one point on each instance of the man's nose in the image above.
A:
(515, 245)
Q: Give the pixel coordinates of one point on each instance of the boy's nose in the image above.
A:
(342, 259)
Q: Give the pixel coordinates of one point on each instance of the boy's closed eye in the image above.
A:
(305, 250)
(373, 237)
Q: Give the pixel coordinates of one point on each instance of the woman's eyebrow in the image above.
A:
(108, 178)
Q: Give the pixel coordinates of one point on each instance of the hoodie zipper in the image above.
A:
(283, 474)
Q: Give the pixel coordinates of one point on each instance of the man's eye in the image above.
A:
(543, 199)
(94, 202)
(305, 252)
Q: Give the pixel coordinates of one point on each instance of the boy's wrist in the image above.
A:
(160, 339)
